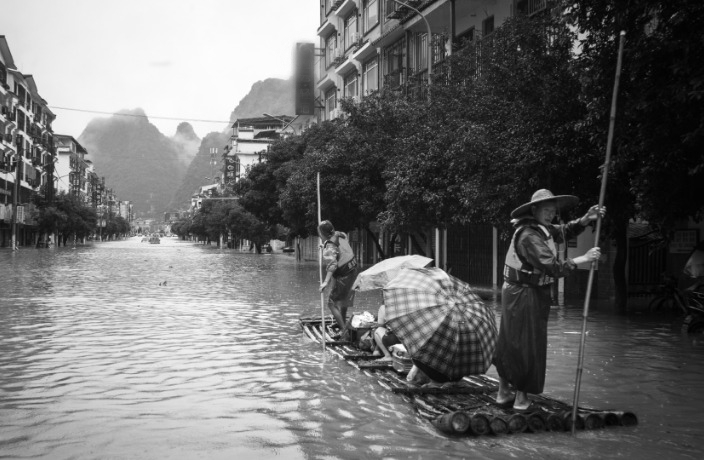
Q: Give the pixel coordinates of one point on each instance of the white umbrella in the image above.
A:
(376, 276)
(695, 264)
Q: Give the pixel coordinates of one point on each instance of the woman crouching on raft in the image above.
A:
(531, 267)
(341, 269)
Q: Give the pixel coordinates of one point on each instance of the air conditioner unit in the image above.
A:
(356, 37)
(337, 53)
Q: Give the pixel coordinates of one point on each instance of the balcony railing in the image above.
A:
(339, 60)
(531, 7)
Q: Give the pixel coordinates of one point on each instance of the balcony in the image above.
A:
(326, 29)
(395, 78)
(338, 57)
(347, 65)
(398, 13)
(325, 82)
(363, 52)
(532, 7)
(343, 8)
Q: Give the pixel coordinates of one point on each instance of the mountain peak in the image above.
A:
(185, 131)
(273, 95)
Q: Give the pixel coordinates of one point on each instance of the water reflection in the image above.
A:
(130, 350)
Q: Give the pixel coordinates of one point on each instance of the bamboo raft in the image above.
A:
(465, 408)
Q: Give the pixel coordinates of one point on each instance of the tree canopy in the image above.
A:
(524, 108)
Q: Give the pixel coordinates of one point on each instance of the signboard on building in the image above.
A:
(305, 78)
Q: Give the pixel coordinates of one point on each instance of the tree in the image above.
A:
(657, 170)
(500, 124)
(259, 191)
(67, 215)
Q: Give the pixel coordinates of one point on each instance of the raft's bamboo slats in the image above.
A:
(374, 365)
(360, 357)
(472, 396)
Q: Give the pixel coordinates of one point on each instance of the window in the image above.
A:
(394, 59)
(370, 14)
(438, 48)
(419, 54)
(330, 102)
(3, 75)
(466, 38)
(351, 85)
(330, 46)
(389, 7)
(350, 29)
(370, 80)
(487, 26)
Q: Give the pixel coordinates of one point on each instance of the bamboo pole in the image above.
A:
(320, 271)
(602, 193)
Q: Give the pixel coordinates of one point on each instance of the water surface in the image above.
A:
(126, 350)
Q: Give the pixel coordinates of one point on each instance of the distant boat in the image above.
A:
(154, 240)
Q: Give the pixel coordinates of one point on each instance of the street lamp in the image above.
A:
(430, 37)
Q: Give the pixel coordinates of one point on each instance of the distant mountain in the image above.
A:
(159, 173)
(188, 142)
(273, 96)
(138, 162)
(200, 171)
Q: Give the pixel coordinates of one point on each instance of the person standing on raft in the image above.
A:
(341, 269)
(531, 266)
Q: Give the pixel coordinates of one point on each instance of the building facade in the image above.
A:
(250, 140)
(26, 150)
(369, 44)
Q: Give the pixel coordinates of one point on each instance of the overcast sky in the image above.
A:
(186, 59)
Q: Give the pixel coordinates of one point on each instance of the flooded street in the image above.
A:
(137, 351)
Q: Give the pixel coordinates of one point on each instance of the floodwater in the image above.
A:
(126, 350)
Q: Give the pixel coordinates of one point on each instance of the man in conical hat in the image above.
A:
(531, 266)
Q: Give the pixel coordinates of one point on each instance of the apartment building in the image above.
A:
(250, 140)
(26, 148)
(71, 167)
(369, 44)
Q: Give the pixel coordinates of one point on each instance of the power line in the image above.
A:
(137, 115)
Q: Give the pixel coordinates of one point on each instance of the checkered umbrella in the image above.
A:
(441, 322)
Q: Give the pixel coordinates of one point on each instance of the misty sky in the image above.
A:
(188, 59)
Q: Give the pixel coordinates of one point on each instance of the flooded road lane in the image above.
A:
(131, 350)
